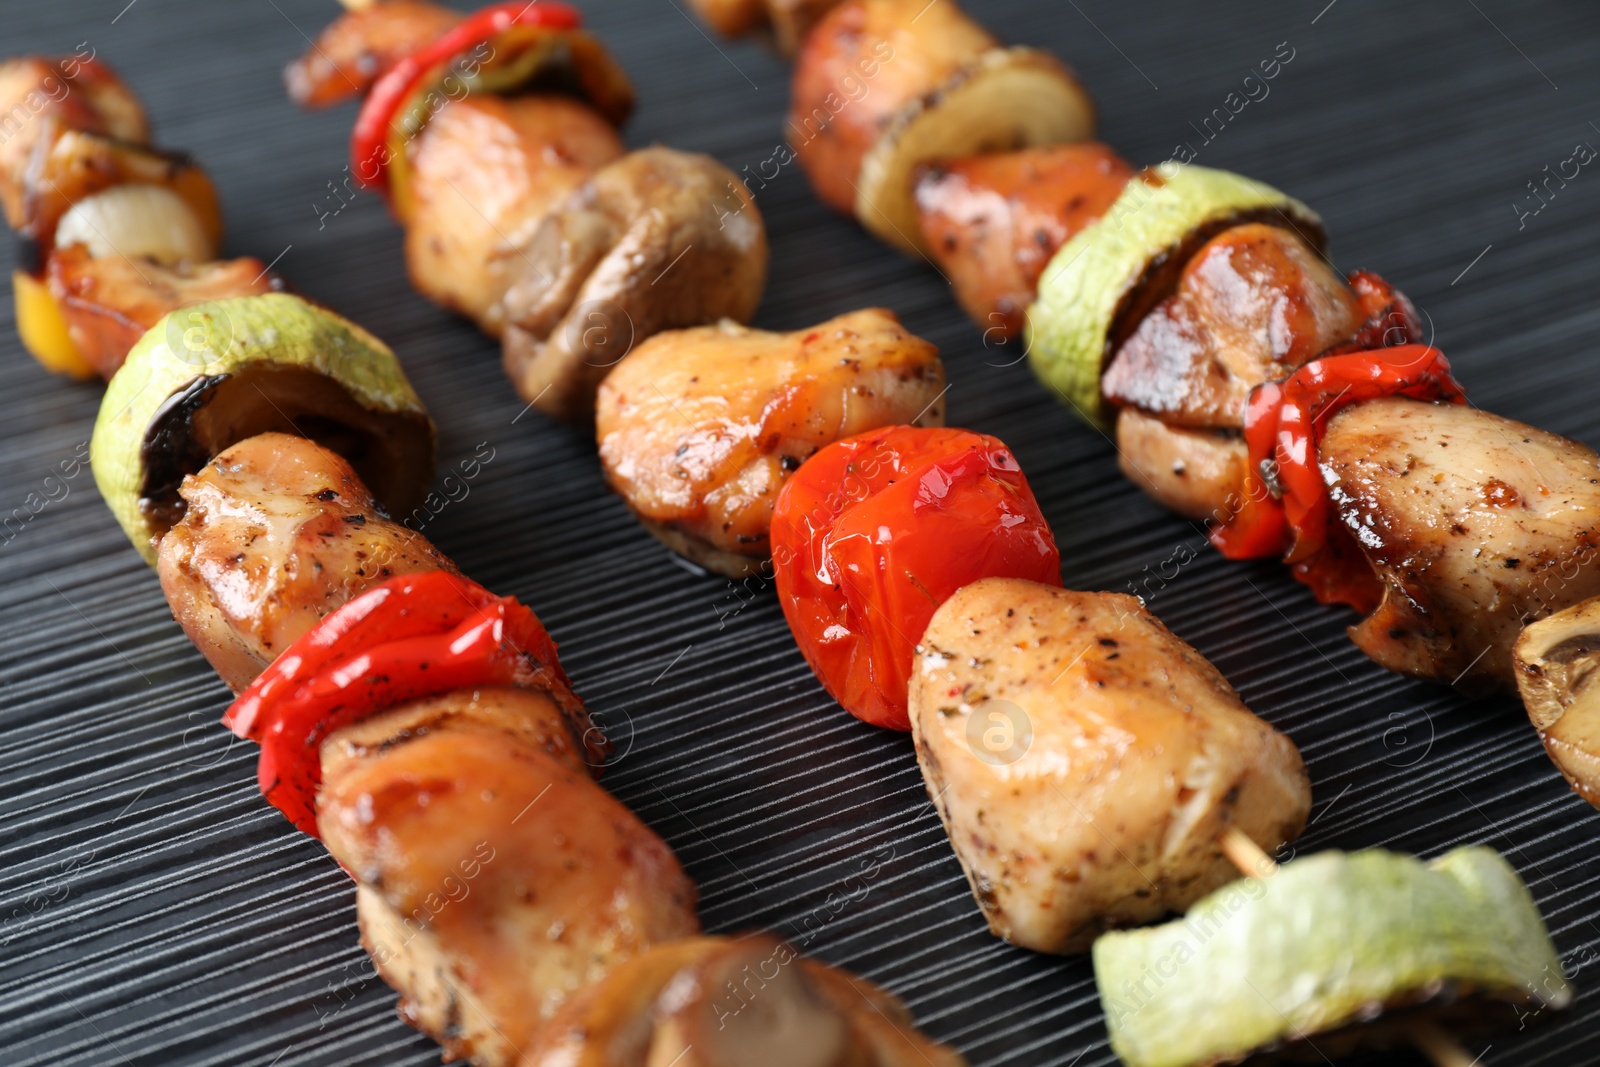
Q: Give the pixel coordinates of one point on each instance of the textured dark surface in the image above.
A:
(155, 911)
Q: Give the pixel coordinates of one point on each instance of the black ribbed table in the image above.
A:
(155, 911)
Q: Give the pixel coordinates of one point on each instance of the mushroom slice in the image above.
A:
(699, 429)
(717, 1002)
(1085, 761)
(212, 374)
(655, 241)
(1556, 660)
(70, 165)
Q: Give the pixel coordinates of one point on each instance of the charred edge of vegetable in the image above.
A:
(382, 446)
(1458, 1008)
(170, 451)
(1161, 273)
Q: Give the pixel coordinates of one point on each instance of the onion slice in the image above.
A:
(149, 221)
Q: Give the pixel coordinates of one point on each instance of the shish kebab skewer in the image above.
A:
(274, 554)
(698, 428)
(702, 429)
(1192, 869)
(424, 730)
(622, 450)
(997, 222)
(493, 137)
(116, 232)
(1193, 314)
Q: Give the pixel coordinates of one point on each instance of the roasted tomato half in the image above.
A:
(874, 532)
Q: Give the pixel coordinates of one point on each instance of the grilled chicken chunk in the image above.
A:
(656, 241)
(1085, 761)
(357, 48)
(884, 54)
(278, 532)
(714, 1002)
(41, 96)
(1475, 524)
(993, 222)
(484, 171)
(495, 877)
(110, 301)
(699, 429)
(1253, 304)
(1195, 471)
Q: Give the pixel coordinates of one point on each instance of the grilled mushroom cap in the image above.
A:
(1556, 661)
(657, 240)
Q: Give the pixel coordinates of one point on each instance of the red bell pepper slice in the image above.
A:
(373, 146)
(1286, 509)
(413, 636)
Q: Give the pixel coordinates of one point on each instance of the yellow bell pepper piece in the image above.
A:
(43, 328)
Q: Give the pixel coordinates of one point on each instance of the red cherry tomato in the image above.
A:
(874, 532)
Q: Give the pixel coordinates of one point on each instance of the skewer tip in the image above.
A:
(1441, 1049)
(1245, 854)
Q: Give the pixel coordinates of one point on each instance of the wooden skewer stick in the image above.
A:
(1442, 1049)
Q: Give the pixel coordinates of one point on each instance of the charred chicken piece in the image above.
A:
(714, 1002)
(39, 97)
(1085, 761)
(1252, 305)
(277, 533)
(699, 429)
(655, 241)
(495, 879)
(993, 222)
(484, 172)
(1474, 524)
(356, 49)
(109, 302)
